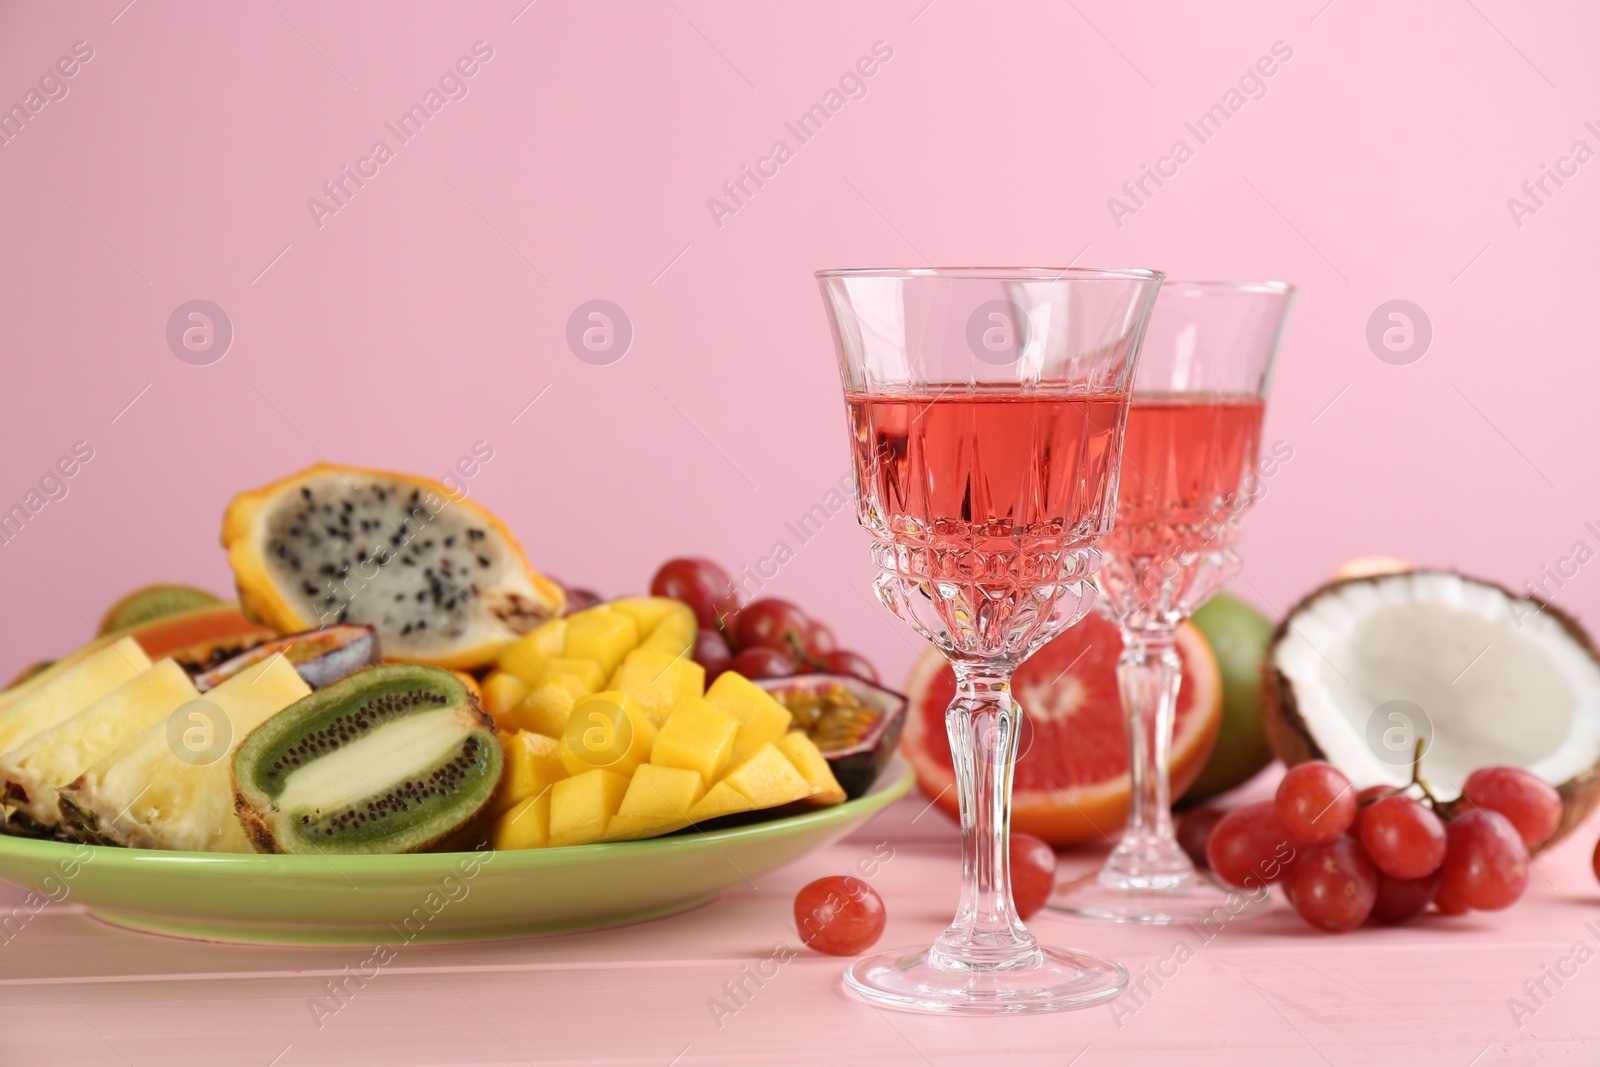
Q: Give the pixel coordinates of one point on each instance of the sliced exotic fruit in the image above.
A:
(441, 579)
(200, 638)
(389, 760)
(171, 786)
(614, 776)
(1071, 778)
(854, 723)
(321, 656)
(638, 646)
(63, 695)
(33, 771)
(1361, 670)
(154, 602)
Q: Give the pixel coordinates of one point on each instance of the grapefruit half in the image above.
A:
(1071, 780)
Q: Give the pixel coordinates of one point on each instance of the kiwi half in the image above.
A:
(390, 759)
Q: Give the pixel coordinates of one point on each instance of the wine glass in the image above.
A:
(986, 408)
(1190, 468)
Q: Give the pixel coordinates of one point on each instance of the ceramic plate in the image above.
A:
(446, 896)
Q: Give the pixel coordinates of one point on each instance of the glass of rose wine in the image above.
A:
(986, 408)
(1190, 468)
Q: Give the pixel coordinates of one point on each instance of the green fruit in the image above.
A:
(1238, 635)
(154, 602)
(389, 759)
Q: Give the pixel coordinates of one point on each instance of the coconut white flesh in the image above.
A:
(370, 766)
(1500, 682)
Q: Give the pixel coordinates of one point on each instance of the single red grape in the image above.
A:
(1596, 860)
(1446, 901)
(1315, 802)
(839, 915)
(819, 639)
(761, 663)
(1364, 801)
(1033, 873)
(771, 623)
(711, 652)
(1335, 885)
(699, 583)
(842, 661)
(1402, 837)
(1401, 899)
(1531, 803)
(1249, 846)
(1194, 830)
(1486, 863)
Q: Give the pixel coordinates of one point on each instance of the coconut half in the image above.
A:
(1361, 668)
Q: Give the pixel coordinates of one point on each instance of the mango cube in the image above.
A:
(527, 825)
(526, 655)
(658, 801)
(762, 720)
(659, 681)
(721, 799)
(666, 791)
(768, 779)
(532, 766)
(646, 611)
(808, 759)
(698, 737)
(673, 634)
(581, 806)
(503, 691)
(606, 731)
(601, 636)
(544, 710)
(579, 676)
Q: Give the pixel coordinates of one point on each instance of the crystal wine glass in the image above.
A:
(1190, 468)
(986, 408)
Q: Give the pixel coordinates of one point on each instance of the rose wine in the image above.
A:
(996, 471)
(1186, 461)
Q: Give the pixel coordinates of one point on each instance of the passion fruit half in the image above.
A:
(855, 723)
(321, 657)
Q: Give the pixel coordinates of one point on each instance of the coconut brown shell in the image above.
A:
(1292, 741)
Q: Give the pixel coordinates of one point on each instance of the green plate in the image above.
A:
(443, 896)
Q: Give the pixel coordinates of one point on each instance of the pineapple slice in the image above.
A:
(174, 790)
(34, 770)
(67, 694)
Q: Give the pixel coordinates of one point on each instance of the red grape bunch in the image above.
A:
(767, 638)
(1381, 855)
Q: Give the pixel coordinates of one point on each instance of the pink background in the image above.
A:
(425, 314)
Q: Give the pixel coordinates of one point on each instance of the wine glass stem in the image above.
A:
(983, 722)
(1149, 673)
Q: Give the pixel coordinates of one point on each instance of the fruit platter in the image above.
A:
(400, 728)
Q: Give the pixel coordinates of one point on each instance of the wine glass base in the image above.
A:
(1198, 900)
(1063, 980)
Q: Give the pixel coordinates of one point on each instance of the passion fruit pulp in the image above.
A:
(855, 723)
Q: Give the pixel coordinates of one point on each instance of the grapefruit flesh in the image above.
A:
(1071, 779)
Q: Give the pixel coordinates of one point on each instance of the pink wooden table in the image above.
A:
(1267, 990)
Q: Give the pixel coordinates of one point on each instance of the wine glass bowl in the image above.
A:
(1189, 472)
(986, 409)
